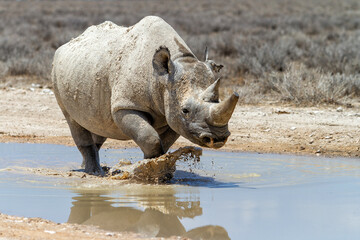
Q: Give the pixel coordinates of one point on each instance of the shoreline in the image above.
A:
(116, 144)
(15, 227)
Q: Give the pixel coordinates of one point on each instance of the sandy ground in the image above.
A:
(31, 114)
(36, 229)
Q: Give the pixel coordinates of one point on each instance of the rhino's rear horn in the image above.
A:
(211, 94)
(161, 62)
(220, 113)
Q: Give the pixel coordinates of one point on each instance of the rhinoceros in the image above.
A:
(141, 83)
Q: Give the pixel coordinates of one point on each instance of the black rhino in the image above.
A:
(141, 83)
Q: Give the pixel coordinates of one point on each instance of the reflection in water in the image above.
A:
(253, 196)
(159, 219)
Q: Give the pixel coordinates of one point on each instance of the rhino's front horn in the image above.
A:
(220, 113)
(211, 94)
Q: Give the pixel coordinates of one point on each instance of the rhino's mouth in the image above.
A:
(208, 136)
(213, 142)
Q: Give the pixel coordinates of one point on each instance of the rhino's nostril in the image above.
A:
(206, 139)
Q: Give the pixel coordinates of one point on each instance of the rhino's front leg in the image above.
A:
(168, 138)
(136, 125)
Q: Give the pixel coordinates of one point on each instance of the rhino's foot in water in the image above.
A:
(155, 170)
(97, 171)
(91, 160)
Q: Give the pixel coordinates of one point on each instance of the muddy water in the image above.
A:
(229, 195)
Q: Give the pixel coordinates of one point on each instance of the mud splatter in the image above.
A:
(155, 170)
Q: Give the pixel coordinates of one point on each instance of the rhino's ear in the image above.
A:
(206, 56)
(216, 67)
(161, 62)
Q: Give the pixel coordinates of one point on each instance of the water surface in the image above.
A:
(231, 195)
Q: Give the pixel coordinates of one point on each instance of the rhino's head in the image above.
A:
(191, 97)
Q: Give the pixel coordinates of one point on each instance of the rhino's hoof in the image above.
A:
(95, 171)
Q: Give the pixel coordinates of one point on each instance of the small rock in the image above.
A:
(109, 234)
(47, 91)
(50, 232)
(328, 137)
(278, 111)
(339, 109)
(32, 89)
(314, 112)
(302, 148)
(318, 151)
(311, 141)
(293, 128)
(36, 85)
(267, 130)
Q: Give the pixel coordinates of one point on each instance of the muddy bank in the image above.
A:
(31, 114)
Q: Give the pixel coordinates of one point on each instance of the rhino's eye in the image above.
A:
(185, 110)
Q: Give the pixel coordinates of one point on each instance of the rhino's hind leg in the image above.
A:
(91, 163)
(98, 140)
(87, 147)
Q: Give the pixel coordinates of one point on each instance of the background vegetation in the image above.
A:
(304, 52)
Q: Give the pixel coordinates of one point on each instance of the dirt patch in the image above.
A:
(36, 228)
(31, 114)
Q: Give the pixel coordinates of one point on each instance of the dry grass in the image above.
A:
(304, 86)
(256, 40)
(301, 86)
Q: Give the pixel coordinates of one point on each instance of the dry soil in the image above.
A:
(31, 114)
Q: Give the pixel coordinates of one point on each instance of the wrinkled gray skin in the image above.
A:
(141, 83)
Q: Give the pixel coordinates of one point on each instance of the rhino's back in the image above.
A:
(81, 78)
(107, 68)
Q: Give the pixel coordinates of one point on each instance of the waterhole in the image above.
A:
(225, 195)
